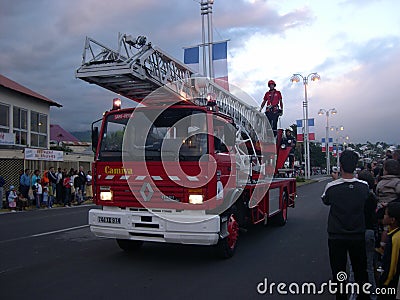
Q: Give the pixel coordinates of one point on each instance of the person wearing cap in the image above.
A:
(274, 107)
(290, 141)
(12, 199)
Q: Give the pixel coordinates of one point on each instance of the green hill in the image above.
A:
(83, 136)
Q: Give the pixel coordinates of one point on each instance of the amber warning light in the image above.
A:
(116, 104)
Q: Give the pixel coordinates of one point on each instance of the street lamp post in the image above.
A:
(326, 112)
(337, 129)
(206, 10)
(296, 78)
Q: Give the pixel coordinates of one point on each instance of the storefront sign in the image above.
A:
(7, 138)
(43, 154)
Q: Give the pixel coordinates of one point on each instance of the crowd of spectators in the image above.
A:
(46, 189)
(377, 215)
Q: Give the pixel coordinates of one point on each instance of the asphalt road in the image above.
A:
(51, 254)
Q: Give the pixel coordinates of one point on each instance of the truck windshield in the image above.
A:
(177, 133)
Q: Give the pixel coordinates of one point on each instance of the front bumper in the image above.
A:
(143, 225)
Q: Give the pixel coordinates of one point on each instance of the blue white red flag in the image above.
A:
(220, 64)
(191, 58)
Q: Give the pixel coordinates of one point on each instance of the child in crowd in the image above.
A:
(37, 192)
(89, 193)
(390, 261)
(387, 190)
(22, 202)
(45, 198)
(12, 199)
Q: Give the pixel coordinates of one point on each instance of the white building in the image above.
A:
(24, 114)
(25, 129)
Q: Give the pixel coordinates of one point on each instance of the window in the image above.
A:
(38, 130)
(224, 135)
(179, 133)
(4, 118)
(20, 124)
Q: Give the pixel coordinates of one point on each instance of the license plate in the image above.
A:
(109, 220)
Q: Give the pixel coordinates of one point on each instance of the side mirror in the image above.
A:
(95, 138)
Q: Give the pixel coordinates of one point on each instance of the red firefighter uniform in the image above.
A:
(274, 107)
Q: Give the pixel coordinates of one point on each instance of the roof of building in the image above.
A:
(59, 134)
(77, 144)
(12, 85)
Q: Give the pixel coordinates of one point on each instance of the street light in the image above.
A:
(326, 112)
(337, 129)
(296, 78)
(206, 10)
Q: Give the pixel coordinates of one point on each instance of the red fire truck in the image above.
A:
(191, 163)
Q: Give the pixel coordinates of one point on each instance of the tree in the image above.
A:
(317, 157)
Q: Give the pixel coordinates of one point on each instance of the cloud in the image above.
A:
(366, 95)
(42, 43)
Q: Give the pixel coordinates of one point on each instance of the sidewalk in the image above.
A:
(56, 206)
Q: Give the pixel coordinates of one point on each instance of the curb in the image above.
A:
(46, 209)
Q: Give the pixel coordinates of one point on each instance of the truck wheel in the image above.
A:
(129, 245)
(281, 218)
(227, 246)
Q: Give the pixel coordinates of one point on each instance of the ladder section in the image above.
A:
(135, 70)
(244, 115)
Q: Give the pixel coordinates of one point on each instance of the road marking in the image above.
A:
(45, 233)
(58, 231)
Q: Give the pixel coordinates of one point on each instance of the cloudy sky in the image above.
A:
(353, 44)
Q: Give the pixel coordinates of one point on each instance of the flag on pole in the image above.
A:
(337, 150)
(334, 151)
(300, 137)
(311, 135)
(311, 123)
(330, 144)
(220, 64)
(191, 58)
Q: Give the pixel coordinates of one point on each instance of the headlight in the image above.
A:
(106, 196)
(196, 199)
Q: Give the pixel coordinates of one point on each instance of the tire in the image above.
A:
(281, 218)
(129, 245)
(227, 246)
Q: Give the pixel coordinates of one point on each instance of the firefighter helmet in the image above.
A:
(271, 82)
(289, 129)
